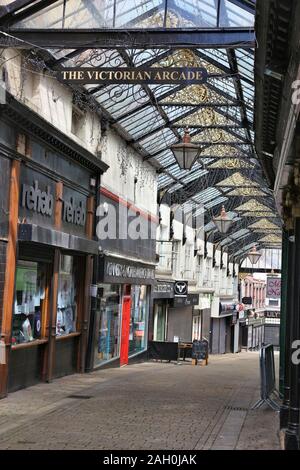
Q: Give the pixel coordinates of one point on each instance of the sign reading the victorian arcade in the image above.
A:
(134, 75)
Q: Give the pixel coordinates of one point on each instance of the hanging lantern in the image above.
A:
(223, 223)
(185, 152)
(253, 255)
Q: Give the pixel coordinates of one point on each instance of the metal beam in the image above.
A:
(172, 38)
(9, 13)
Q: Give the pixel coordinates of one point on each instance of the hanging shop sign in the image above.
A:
(180, 288)
(226, 308)
(273, 287)
(154, 75)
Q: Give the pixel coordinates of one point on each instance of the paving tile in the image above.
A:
(144, 406)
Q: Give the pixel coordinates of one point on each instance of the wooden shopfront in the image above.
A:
(50, 247)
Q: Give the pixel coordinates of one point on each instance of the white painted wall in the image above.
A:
(53, 101)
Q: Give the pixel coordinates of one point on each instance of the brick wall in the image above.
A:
(3, 246)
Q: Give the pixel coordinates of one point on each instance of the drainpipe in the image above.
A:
(292, 433)
(287, 288)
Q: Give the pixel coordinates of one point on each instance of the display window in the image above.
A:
(108, 321)
(66, 316)
(30, 301)
(138, 319)
(160, 321)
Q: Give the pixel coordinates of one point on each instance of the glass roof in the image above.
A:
(219, 112)
(131, 14)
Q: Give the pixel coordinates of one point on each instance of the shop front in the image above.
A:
(223, 327)
(119, 330)
(163, 293)
(49, 253)
(201, 318)
(180, 318)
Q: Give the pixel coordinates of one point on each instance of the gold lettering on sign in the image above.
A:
(131, 75)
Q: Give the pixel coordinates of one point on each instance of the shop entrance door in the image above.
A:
(126, 306)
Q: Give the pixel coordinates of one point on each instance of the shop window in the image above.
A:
(108, 323)
(138, 319)
(66, 317)
(29, 309)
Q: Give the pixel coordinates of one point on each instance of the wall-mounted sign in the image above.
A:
(36, 199)
(163, 290)
(125, 272)
(74, 213)
(272, 314)
(247, 300)
(180, 288)
(226, 308)
(121, 75)
(189, 300)
(273, 287)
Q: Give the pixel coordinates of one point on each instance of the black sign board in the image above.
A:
(180, 288)
(247, 300)
(154, 75)
(163, 290)
(121, 271)
(189, 300)
(272, 313)
(200, 349)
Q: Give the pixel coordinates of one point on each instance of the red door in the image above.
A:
(125, 330)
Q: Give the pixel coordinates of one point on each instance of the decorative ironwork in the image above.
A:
(215, 136)
(252, 206)
(271, 238)
(206, 117)
(258, 214)
(237, 179)
(235, 164)
(187, 58)
(264, 224)
(246, 192)
(220, 151)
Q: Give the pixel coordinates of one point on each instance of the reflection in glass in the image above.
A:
(160, 322)
(29, 298)
(66, 301)
(138, 319)
(108, 324)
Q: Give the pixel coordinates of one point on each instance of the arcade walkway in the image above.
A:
(144, 406)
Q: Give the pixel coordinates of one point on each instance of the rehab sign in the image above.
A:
(151, 75)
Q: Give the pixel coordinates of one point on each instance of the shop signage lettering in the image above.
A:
(42, 202)
(129, 271)
(272, 314)
(163, 288)
(36, 200)
(134, 75)
(73, 213)
(273, 287)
